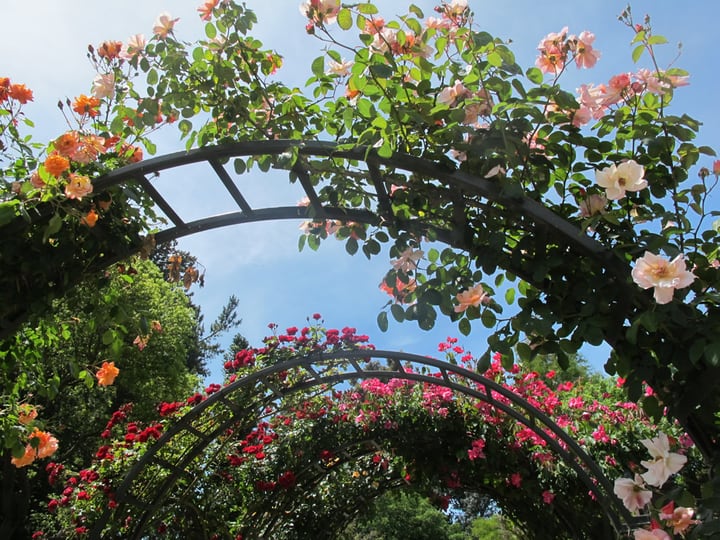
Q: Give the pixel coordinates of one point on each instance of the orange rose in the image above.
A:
(107, 373)
(56, 164)
(27, 414)
(110, 49)
(47, 444)
(86, 105)
(90, 219)
(67, 144)
(21, 93)
(4, 88)
(27, 458)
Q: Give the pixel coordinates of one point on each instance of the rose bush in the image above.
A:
(300, 466)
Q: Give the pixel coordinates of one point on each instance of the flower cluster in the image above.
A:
(637, 496)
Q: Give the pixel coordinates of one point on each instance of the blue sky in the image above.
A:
(44, 45)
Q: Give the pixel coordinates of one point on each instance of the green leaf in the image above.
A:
(488, 318)
(534, 75)
(637, 53)
(210, 30)
(712, 354)
(397, 312)
(318, 66)
(464, 327)
(510, 295)
(7, 211)
(382, 321)
(239, 165)
(53, 227)
(657, 40)
(344, 19)
(483, 363)
(351, 246)
(524, 351)
(367, 9)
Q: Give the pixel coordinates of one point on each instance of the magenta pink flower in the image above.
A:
(548, 496)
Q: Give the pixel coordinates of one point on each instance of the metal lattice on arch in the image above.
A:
(529, 214)
(150, 481)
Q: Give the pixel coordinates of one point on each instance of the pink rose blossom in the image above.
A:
(664, 463)
(585, 55)
(134, 47)
(617, 179)
(654, 534)
(474, 296)
(450, 95)
(665, 276)
(164, 25)
(321, 12)
(104, 86)
(408, 260)
(548, 496)
(632, 493)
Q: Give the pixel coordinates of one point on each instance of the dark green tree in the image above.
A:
(399, 515)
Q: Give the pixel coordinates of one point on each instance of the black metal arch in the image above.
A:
(151, 479)
(482, 188)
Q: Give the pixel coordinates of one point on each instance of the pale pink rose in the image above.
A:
(681, 519)
(654, 534)
(451, 94)
(665, 276)
(585, 55)
(408, 260)
(438, 24)
(716, 167)
(592, 97)
(581, 117)
(340, 68)
(321, 11)
(618, 87)
(384, 40)
(474, 296)
(617, 179)
(456, 7)
(665, 463)
(592, 205)
(134, 47)
(632, 493)
(652, 82)
(104, 86)
(164, 25)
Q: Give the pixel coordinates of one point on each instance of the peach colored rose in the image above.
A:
(107, 373)
(78, 187)
(474, 296)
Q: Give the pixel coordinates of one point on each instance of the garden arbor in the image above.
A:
(362, 183)
(149, 492)
(576, 291)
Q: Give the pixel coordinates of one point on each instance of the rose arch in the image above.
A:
(546, 251)
(148, 485)
(180, 452)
